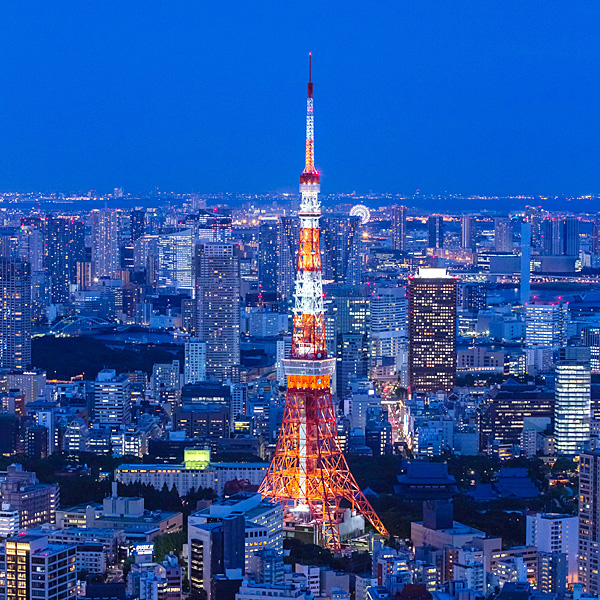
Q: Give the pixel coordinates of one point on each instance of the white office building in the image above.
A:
(112, 399)
(175, 252)
(9, 520)
(546, 324)
(572, 407)
(195, 361)
(555, 533)
(105, 242)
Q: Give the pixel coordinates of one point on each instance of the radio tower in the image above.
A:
(309, 471)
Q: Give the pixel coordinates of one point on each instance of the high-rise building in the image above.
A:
(590, 338)
(105, 242)
(214, 227)
(560, 236)
(137, 225)
(33, 569)
(534, 216)
(388, 334)
(341, 243)
(36, 502)
(589, 522)
(525, 282)
(287, 256)
(165, 378)
(65, 247)
(15, 319)
(352, 360)
(596, 236)
(31, 383)
(216, 548)
(112, 399)
(268, 242)
(555, 533)
(432, 330)
(175, 256)
(571, 236)
(37, 441)
(503, 235)
(572, 407)
(546, 324)
(435, 226)
(472, 297)
(467, 237)
(218, 307)
(195, 361)
(552, 573)
(399, 227)
(502, 412)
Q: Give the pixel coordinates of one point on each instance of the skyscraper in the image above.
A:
(218, 307)
(546, 324)
(467, 232)
(525, 282)
(533, 216)
(560, 236)
(571, 236)
(268, 238)
(105, 242)
(590, 337)
(432, 331)
(572, 407)
(341, 243)
(37, 570)
(137, 226)
(15, 319)
(399, 227)
(175, 254)
(64, 249)
(112, 399)
(503, 235)
(436, 231)
(596, 236)
(195, 361)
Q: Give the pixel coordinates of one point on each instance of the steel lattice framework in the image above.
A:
(309, 469)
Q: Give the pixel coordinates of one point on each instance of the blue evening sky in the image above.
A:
(490, 97)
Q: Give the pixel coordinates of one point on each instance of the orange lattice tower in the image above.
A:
(309, 470)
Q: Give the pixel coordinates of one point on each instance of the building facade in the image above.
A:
(432, 331)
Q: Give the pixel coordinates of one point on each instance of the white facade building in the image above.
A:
(9, 521)
(175, 252)
(572, 407)
(195, 361)
(546, 324)
(551, 532)
(112, 399)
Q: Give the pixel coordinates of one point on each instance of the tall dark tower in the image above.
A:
(399, 227)
(15, 314)
(309, 471)
(432, 331)
(435, 226)
(65, 246)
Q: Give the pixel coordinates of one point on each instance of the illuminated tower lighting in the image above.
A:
(309, 471)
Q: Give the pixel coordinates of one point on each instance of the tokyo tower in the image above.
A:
(309, 471)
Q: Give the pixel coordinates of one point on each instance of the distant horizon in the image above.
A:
(434, 203)
(479, 97)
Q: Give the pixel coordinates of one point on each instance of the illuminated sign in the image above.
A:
(143, 549)
(196, 459)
